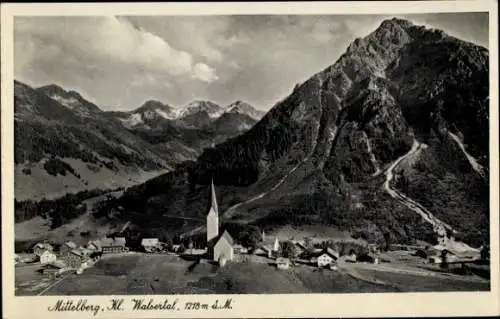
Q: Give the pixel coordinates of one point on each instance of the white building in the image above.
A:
(327, 257)
(47, 257)
(223, 248)
(282, 263)
(40, 248)
(150, 244)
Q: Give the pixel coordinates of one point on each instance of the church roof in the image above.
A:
(227, 237)
(213, 199)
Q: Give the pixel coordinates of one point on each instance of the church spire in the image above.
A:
(213, 198)
(212, 217)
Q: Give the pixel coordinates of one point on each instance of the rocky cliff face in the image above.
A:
(322, 154)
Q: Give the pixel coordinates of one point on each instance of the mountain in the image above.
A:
(390, 143)
(240, 107)
(70, 99)
(64, 143)
(233, 123)
(151, 114)
(183, 133)
(213, 110)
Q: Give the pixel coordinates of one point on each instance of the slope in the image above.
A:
(52, 140)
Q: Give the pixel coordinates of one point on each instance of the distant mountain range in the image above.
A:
(195, 114)
(390, 143)
(183, 133)
(64, 143)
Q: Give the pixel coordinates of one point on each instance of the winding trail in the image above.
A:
(473, 162)
(233, 209)
(440, 228)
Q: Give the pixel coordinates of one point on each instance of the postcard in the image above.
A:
(256, 160)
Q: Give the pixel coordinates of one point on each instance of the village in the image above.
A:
(222, 250)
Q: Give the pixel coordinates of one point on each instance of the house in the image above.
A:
(448, 255)
(40, 248)
(66, 248)
(261, 251)
(95, 256)
(435, 260)
(76, 258)
(95, 245)
(239, 249)
(301, 247)
(29, 258)
(224, 247)
(282, 263)
(373, 249)
(116, 245)
(175, 248)
(437, 254)
(276, 245)
(327, 257)
(301, 250)
(47, 257)
(351, 258)
(150, 244)
(269, 247)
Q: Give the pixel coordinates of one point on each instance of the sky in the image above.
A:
(120, 62)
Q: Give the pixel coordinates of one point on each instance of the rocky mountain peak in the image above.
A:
(241, 107)
(70, 99)
(52, 89)
(154, 104)
(212, 109)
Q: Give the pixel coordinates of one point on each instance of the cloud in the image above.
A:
(119, 62)
(107, 39)
(203, 36)
(204, 73)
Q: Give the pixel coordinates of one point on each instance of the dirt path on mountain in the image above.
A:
(440, 227)
(473, 162)
(233, 209)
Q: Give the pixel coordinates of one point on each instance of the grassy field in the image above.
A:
(29, 282)
(167, 274)
(135, 274)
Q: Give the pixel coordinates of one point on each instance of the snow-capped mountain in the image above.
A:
(185, 132)
(150, 111)
(213, 110)
(70, 99)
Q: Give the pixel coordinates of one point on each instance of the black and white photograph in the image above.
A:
(251, 154)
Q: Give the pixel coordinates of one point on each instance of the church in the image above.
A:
(220, 247)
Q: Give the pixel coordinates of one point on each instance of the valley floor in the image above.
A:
(138, 273)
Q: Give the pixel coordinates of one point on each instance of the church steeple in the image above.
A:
(212, 217)
(213, 199)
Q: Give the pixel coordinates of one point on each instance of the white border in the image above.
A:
(252, 306)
